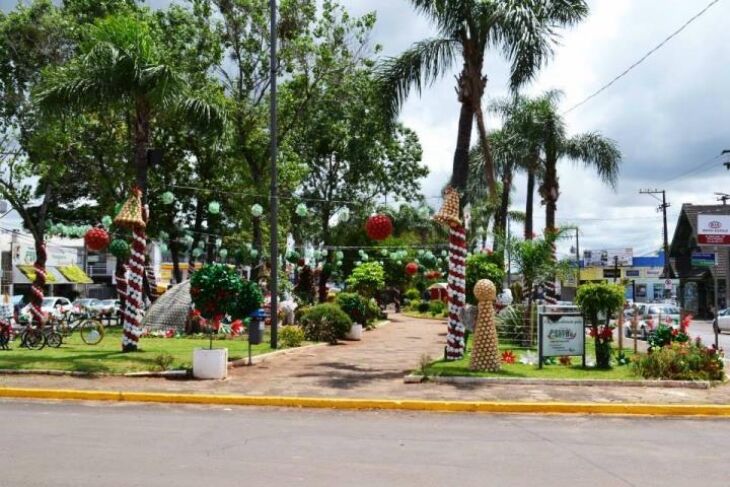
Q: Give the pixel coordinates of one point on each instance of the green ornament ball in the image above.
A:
(167, 198)
(302, 210)
(197, 252)
(214, 207)
(257, 210)
(107, 221)
(339, 255)
(120, 248)
(223, 253)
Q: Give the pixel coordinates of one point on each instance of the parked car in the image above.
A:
(51, 304)
(109, 307)
(86, 305)
(722, 322)
(652, 315)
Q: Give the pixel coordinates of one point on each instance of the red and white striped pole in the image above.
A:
(457, 292)
(134, 303)
(38, 284)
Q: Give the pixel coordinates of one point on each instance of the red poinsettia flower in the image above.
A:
(508, 357)
(170, 333)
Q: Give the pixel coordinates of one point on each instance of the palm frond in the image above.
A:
(597, 152)
(422, 64)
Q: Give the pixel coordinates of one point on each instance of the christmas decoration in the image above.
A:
(163, 248)
(257, 210)
(223, 253)
(485, 355)
(96, 239)
(120, 249)
(424, 212)
(379, 227)
(411, 268)
(167, 198)
(197, 252)
(38, 283)
(344, 215)
(107, 221)
(339, 255)
(509, 357)
(292, 256)
(448, 216)
(188, 240)
(254, 253)
(201, 244)
(214, 207)
(130, 215)
(302, 210)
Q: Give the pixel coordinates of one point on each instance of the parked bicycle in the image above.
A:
(6, 333)
(38, 336)
(89, 327)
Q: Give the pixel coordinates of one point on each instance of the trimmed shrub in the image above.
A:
(291, 336)
(325, 323)
(423, 306)
(413, 305)
(372, 312)
(412, 294)
(482, 266)
(680, 361)
(367, 279)
(436, 307)
(354, 305)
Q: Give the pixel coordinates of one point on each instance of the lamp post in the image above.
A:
(273, 217)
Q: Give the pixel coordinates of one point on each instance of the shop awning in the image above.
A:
(67, 274)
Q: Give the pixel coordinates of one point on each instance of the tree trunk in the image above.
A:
(500, 223)
(529, 203)
(198, 226)
(460, 170)
(549, 192)
(175, 254)
(324, 275)
(141, 142)
(486, 149)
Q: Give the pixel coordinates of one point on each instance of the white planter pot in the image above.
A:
(355, 332)
(210, 364)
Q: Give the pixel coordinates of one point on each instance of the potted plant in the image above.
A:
(595, 300)
(214, 289)
(356, 308)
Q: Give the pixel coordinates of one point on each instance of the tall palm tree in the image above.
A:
(591, 149)
(122, 63)
(524, 30)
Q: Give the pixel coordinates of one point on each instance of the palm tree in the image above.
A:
(122, 63)
(591, 149)
(525, 32)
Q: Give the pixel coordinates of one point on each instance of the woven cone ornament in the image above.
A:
(130, 216)
(448, 215)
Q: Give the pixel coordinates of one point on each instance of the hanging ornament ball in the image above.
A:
(384, 252)
(119, 248)
(344, 215)
(96, 239)
(339, 263)
(424, 212)
(339, 255)
(365, 257)
(254, 253)
(325, 252)
(257, 210)
(188, 240)
(214, 207)
(163, 235)
(201, 244)
(444, 253)
(167, 198)
(197, 252)
(223, 253)
(411, 268)
(218, 242)
(379, 227)
(302, 210)
(357, 263)
(317, 255)
(163, 247)
(292, 256)
(106, 220)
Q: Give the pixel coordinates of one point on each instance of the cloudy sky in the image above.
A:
(666, 115)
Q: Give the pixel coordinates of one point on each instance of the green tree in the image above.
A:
(594, 300)
(525, 32)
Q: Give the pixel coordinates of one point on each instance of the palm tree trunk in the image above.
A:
(550, 191)
(141, 141)
(486, 149)
(529, 204)
(501, 220)
(460, 170)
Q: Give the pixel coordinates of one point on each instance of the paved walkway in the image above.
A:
(374, 368)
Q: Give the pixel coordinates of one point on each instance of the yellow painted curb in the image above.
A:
(391, 404)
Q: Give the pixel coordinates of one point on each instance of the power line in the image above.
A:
(700, 168)
(643, 58)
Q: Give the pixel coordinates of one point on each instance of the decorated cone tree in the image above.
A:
(485, 354)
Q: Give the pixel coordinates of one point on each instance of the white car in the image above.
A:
(652, 315)
(51, 304)
(722, 323)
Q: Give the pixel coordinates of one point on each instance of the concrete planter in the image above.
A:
(355, 332)
(210, 364)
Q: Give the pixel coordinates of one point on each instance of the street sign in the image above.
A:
(668, 284)
(703, 259)
(713, 229)
(561, 334)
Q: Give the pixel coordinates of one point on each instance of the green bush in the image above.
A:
(249, 299)
(665, 335)
(354, 305)
(367, 279)
(325, 323)
(511, 324)
(436, 307)
(482, 266)
(373, 312)
(291, 336)
(213, 289)
(680, 361)
(413, 305)
(423, 306)
(412, 294)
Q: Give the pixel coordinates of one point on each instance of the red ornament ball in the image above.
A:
(379, 227)
(96, 239)
(411, 268)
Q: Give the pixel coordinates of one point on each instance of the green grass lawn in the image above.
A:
(75, 355)
(416, 314)
(518, 370)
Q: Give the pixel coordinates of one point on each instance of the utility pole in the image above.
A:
(273, 218)
(577, 260)
(509, 257)
(615, 268)
(668, 272)
(723, 197)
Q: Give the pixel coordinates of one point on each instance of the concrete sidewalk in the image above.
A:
(374, 368)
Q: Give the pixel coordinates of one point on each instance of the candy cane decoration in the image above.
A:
(38, 283)
(135, 281)
(121, 277)
(456, 289)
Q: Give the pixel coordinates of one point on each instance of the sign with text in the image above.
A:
(703, 259)
(609, 257)
(713, 229)
(561, 335)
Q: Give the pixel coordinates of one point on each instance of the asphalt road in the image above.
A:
(703, 329)
(94, 444)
